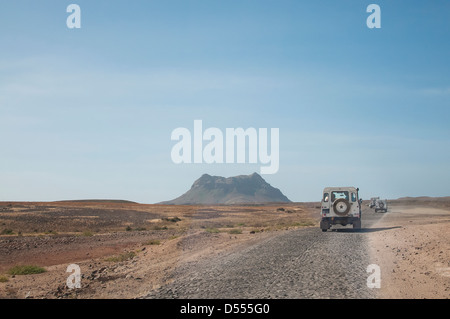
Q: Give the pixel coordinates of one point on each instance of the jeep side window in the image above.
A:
(325, 197)
(338, 195)
(353, 197)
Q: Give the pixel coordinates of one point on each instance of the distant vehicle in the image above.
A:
(381, 206)
(340, 206)
(373, 200)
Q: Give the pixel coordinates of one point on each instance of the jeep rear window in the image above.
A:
(325, 197)
(338, 195)
(353, 197)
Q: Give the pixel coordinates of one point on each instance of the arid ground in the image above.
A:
(413, 250)
(130, 250)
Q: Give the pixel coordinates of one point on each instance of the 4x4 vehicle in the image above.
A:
(340, 206)
(373, 201)
(381, 206)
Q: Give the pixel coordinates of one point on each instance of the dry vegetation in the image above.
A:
(85, 218)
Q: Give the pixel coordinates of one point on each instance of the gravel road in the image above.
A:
(301, 263)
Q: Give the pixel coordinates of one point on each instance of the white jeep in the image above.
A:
(373, 201)
(340, 206)
(381, 206)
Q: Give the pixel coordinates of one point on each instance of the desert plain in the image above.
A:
(130, 250)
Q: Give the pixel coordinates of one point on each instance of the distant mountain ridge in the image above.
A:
(242, 189)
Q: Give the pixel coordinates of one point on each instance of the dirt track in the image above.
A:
(225, 252)
(301, 263)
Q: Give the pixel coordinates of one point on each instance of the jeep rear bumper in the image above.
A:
(326, 222)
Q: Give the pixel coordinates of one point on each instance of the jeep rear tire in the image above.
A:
(341, 207)
(324, 225)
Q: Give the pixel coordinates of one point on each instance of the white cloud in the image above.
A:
(442, 91)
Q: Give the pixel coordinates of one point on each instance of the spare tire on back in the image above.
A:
(341, 207)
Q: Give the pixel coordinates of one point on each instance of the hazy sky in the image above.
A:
(88, 113)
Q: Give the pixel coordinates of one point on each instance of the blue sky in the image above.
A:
(88, 113)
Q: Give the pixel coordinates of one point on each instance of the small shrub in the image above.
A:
(128, 228)
(87, 233)
(212, 230)
(173, 219)
(160, 228)
(123, 257)
(3, 279)
(304, 223)
(7, 231)
(152, 242)
(26, 270)
(235, 231)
